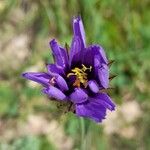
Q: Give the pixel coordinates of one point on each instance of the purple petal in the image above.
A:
(78, 96)
(75, 50)
(54, 93)
(92, 109)
(88, 56)
(55, 69)
(59, 53)
(61, 83)
(78, 30)
(92, 52)
(93, 86)
(42, 78)
(101, 53)
(106, 101)
(103, 74)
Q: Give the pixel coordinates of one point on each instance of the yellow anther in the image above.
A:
(70, 74)
(81, 76)
(84, 68)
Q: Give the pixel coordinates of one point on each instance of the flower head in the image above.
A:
(78, 77)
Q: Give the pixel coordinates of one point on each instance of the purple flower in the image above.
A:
(78, 77)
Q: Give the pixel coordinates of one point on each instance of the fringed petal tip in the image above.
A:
(113, 107)
(24, 74)
(77, 19)
(106, 101)
(53, 41)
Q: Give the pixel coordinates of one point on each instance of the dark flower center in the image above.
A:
(81, 75)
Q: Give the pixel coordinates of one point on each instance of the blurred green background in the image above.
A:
(28, 120)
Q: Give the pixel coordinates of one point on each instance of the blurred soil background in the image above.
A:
(28, 120)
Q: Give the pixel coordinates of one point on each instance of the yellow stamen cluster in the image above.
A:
(81, 75)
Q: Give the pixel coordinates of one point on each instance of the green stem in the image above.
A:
(83, 141)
